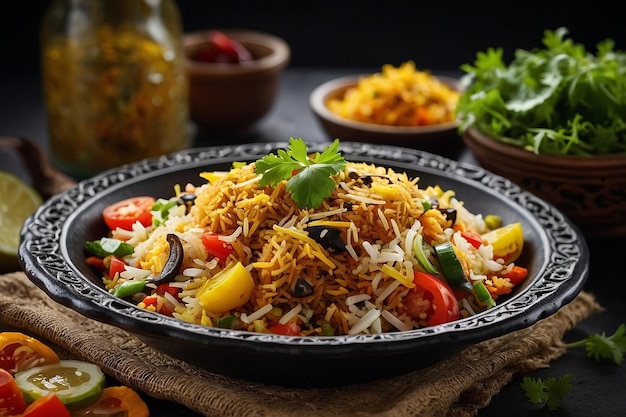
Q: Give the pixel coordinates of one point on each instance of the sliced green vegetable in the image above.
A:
(77, 383)
(107, 246)
(160, 210)
(421, 257)
(451, 267)
(128, 288)
(482, 294)
(327, 329)
(226, 322)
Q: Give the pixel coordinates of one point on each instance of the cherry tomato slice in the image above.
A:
(19, 352)
(11, 399)
(289, 329)
(167, 288)
(445, 307)
(47, 406)
(216, 247)
(124, 214)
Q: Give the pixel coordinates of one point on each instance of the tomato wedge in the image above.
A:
(289, 329)
(47, 406)
(19, 352)
(216, 247)
(116, 266)
(445, 307)
(124, 214)
(11, 399)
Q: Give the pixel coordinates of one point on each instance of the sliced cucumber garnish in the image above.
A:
(77, 383)
(451, 266)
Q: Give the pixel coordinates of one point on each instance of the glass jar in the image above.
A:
(114, 82)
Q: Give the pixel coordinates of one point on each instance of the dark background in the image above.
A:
(435, 34)
(332, 37)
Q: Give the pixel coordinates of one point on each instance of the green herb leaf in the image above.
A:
(107, 246)
(549, 392)
(308, 177)
(557, 100)
(602, 347)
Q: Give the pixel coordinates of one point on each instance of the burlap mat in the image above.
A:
(458, 386)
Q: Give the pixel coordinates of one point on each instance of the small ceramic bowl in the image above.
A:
(229, 99)
(441, 138)
(591, 191)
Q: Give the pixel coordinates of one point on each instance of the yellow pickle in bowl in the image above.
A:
(114, 82)
(398, 96)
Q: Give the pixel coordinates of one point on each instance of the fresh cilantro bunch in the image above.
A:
(559, 100)
(549, 392)
(308, 176)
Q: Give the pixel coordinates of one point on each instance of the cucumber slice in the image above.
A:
(483, 296)
(451, 267)
(77, 383)
(421, 257)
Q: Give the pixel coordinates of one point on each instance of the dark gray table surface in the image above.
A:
(598, 389)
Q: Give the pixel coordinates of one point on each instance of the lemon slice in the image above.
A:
(18, 202)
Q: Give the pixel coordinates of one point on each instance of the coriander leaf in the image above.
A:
(276, 168)
(309, 187)
(600, 346)
(308, 177)
(107, 246)
(549, 392)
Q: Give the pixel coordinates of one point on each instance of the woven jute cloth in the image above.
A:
(458, 386)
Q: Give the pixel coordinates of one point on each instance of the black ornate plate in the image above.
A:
(52, 255)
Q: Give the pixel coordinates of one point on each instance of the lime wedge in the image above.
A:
(18, 201)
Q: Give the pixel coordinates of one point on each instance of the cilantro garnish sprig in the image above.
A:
(548, 392)
(551, 391)
(308, 176)
(602, 347)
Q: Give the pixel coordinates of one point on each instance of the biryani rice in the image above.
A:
(377, 211)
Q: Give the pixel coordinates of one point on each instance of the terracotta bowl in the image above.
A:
(591, 191)
(229, 99)
(441, 138)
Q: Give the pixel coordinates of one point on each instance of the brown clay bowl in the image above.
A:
(591, 191)
(229, 99)
(441, 138)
